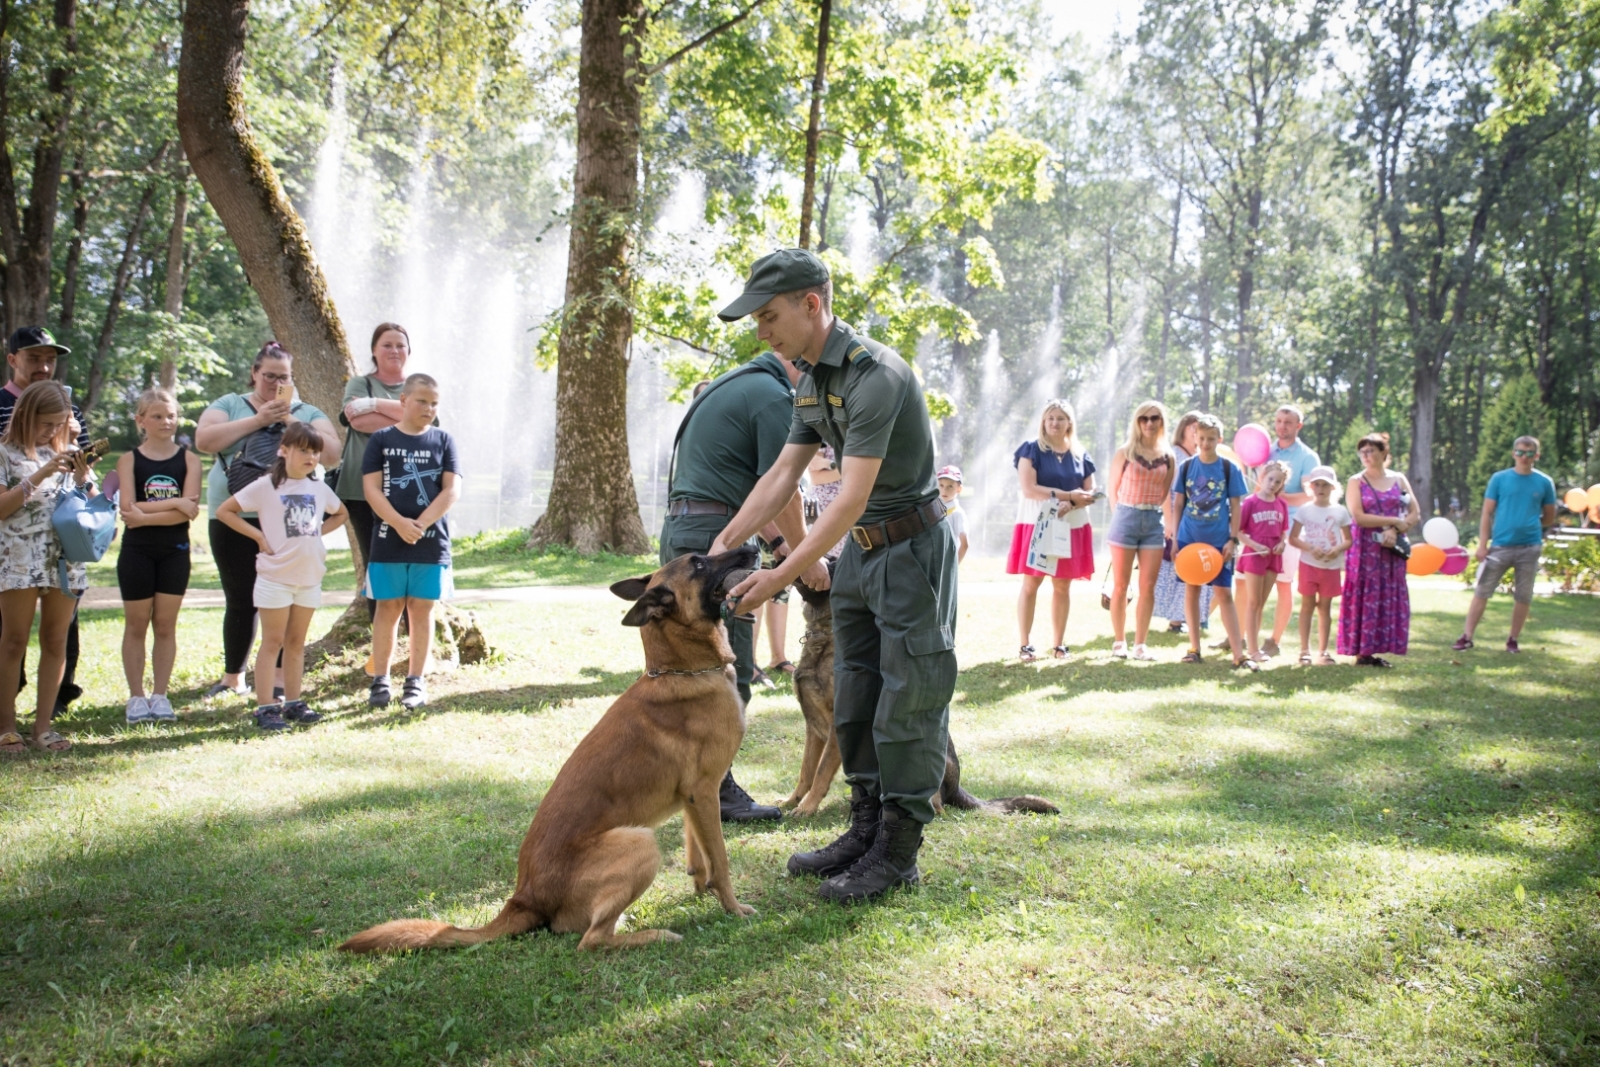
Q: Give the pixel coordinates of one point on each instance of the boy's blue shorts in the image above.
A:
(1225, 579)
(396, 581)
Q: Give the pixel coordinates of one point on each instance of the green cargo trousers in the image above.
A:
(682, 534)
(894, 666)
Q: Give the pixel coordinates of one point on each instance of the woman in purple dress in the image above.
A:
(1375, 614)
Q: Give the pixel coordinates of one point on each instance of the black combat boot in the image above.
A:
(739, 806)
(891, 861)
(865, 813)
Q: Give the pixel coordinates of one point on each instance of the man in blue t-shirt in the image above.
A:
(1518, 506)
(411, 479)
(1301, 460)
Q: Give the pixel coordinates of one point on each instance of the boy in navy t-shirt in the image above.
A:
(411, 479)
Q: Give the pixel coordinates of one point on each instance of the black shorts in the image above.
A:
(142, 571)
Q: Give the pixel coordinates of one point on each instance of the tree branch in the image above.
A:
(656, 68)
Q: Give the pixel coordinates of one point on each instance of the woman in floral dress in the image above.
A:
(38, 466)
(1375, 614)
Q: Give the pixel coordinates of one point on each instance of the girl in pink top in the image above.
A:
(1263, 533)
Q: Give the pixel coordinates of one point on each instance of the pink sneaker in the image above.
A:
(1511, 645)
(1462, 643)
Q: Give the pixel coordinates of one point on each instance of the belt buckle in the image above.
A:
(858, 534)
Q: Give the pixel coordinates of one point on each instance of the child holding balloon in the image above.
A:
(1322, 533)
(1206, 498)
(1263, 534)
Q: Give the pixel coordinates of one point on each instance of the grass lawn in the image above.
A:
(1310, 865)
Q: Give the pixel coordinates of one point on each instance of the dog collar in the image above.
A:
(660, 672)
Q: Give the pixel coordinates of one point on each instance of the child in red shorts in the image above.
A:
(1263, 533)
(1322, 534)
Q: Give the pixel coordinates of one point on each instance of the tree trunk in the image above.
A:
(242, 186)
(1424, 415)
(26, 235)
(1244, 386)
(814, 124)
(168, 374)
(69, 274)
(1167, 286)
(592, 503)
(119, 286)
(1203, 400)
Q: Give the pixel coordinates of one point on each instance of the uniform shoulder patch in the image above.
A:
(857, 352)
(805, 401)
(836, 401)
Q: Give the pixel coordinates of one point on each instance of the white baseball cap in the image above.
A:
(1323, 473)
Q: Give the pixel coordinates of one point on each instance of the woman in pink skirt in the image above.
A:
(1051, 469)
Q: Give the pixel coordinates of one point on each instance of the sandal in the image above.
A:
(1247, 663)
(12, 744)
(1027, 654)
(782, 665)
(759, 677)
(1060, 651)
(1327, 661)
(51, 741)
(1142, 652)
(1372, 661)
(1119, 650)
(1305, 659)
(1192, 657)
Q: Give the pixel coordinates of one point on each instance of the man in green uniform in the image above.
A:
(730, 436)
(894, 591)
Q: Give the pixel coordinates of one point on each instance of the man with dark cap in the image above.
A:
(894, 591)
(730, 436)
(32, 354)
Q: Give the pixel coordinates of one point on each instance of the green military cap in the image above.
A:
(784, 271)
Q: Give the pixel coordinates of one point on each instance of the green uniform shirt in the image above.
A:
(736, 428)
(864, 400)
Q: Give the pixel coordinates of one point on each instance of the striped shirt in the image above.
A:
(1144, 482)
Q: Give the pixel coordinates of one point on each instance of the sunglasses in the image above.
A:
(1150, 418)
(1524, 452)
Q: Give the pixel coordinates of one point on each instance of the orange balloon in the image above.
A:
(1576, 500)
(1594, 495)
(1198, 564)
(1425, 560)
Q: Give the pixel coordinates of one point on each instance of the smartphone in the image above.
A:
(96, 450)
(285, 390)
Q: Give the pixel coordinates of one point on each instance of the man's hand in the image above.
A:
(756, 590)
(1481, 553)
(817, 577)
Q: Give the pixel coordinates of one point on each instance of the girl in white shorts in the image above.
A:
(291, 506)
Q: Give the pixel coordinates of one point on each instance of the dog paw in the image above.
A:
(744, 910)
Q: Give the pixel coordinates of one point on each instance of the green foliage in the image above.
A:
(1573, 565)
(1541, 43)
(1517, 411)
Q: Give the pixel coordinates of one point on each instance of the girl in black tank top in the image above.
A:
(153, 480)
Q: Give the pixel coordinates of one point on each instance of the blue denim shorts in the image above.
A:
(1135, 528)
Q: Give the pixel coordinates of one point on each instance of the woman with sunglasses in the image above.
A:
(1052, 469)
(1141, 485)
(221, 431)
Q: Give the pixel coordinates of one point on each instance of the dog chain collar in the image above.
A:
(660, 671)
(810, 634)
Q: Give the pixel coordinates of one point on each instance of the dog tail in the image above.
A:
(965, 801)
(403, 934)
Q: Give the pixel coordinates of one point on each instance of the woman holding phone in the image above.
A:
(221, 431)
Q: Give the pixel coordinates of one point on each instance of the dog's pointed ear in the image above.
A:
(653, 605)
(632, 588)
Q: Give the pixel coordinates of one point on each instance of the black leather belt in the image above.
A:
(697, 507)
(907, 524)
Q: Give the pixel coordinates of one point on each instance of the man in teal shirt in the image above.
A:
(1288, 449)
(1519, 504)
(731, 435)
(894, 592)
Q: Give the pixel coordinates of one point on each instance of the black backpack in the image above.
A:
(256, 454)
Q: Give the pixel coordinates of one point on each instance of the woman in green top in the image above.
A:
(371, 403)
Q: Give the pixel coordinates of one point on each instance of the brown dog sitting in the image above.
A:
(664, 746)
(813, 685)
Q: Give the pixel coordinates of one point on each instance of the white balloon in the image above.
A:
(1440, 532)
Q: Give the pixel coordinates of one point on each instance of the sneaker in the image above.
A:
(379, 695)
(1270, 647)
(270, 718)
(161, 709)
(221, 689)
(1511, 645)
(298, 711)
(138, 710)
(1462, 643)
(413, 695)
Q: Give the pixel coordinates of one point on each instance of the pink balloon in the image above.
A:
(1253, 445)
(1455, 561)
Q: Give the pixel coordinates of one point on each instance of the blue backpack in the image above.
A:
(85, 527)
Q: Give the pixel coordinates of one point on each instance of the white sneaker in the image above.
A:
(1142, 652)
(1119, 650)
(161, 709)
(138, 710)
